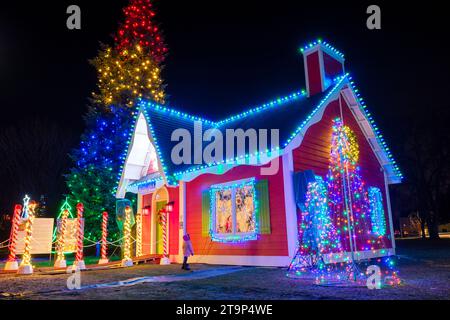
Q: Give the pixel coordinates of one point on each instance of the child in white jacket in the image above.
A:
(187, 251)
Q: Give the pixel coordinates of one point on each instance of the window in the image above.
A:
(377, 212)
(233, 211)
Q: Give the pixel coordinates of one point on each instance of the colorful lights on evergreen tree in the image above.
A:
(127, 70)
(335, 227)
(317, 234)
(123, 77)
(348, 203)
(139, 28)
(98, 159)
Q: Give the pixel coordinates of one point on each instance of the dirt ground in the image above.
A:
(424, 269)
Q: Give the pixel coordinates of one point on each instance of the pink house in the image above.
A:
(242, 209)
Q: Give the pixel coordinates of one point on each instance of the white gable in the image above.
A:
(141, 159)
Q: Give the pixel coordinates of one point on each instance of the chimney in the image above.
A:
(323, 63)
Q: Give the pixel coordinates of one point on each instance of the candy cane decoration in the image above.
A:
(104, 258)
(79, 262)
(60, 258)
(164, 233)
(25, 265)
(127, 262)
(11, 264)
(138, 235)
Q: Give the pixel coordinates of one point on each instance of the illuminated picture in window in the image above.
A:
(224, 210)
(233, 210)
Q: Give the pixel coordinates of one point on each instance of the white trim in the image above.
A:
(272, 261)
(153, 224)
(322, 70)
(221, 169)
(365, 126)
(124, 182)
(305, 65)
(289, 203)
(278, 261)
(231, 183)
(388, 203)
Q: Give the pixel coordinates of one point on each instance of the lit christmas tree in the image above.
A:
(317, 234)
(348, 200)
(128, 70)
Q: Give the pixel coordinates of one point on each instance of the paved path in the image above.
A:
(202, 274)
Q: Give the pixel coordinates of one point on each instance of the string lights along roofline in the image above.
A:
(183, 115)
(324, 44)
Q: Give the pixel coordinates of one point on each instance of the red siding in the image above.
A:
(333, 67)
(314, 77)
(173, 222)
(314, 152)
(274, 244)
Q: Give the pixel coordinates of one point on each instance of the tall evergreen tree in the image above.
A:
(128, 70)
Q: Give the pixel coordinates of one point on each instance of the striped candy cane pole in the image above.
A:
(79, 262)
(104, 258)
(25, 265)
(60, 258)
(11, 264)
(165, 260)
(127, 262)
(164, 232)
(139, 235)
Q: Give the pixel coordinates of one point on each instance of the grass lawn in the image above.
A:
(424, 269)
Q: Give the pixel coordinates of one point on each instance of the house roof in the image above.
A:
(291, 114)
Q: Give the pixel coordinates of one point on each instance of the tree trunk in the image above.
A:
(433, 229)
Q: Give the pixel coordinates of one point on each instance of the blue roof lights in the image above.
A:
(263, 107)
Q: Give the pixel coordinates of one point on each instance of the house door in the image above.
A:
(159, 242)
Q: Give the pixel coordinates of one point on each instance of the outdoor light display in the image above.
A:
(336, 222)
(234, 209)
(127, 235)
(131, 68)
(80, 237)
(140, 27)
(128, 69)
(138, 234)
(25, 265)
(11, 263)
(25, 209)
(103, 254)
(377, 211)
(132, 71)
(319, 236)
(60, 258)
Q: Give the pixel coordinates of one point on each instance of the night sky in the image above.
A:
(224, 57)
